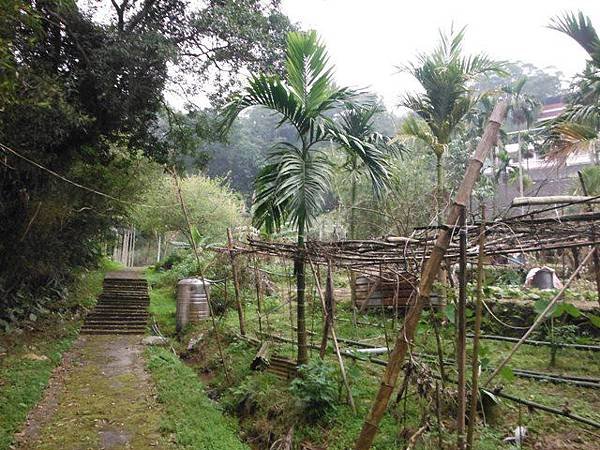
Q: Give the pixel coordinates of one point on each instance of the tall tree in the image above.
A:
(522, 110)
(291, 186)
(359, 121)
(444, 75)
(81, 98)
(578, 126)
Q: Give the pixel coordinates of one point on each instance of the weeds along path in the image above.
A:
(110, 392)
(100, 398)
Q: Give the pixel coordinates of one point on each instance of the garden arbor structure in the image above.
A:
(398, 260)
(420, 256)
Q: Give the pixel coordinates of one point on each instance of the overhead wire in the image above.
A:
(7, 149)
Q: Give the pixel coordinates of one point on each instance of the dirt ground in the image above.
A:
(100, 397)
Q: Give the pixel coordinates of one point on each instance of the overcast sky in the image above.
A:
(366, 39)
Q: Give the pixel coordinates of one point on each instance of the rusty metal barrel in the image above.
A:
(192, 301)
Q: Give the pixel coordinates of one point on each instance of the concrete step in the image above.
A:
(123, 293)
(118, 313)
(125, 286)
(92, 331)
(116, 319)
(136, 303)
(115, 326)
(122, 308)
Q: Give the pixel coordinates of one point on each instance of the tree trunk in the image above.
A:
(520, 159)
(439, 187)
(329, 311)
(236, 283)
(476, 332)
(158, 245)
(353, 236)
(461, 333)
(299, 264)
(432, 265)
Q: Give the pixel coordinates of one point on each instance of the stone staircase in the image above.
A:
(122, 307)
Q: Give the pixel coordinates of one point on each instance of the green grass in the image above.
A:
(190, 415)
(22, 382)
(162, 308)
(33, 355)
(273, 410)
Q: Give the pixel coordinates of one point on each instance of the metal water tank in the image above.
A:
(543, 279)
(192, 301)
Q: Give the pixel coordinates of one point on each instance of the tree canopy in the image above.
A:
(81, 105)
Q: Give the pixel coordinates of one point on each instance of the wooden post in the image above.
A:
(159, 237)
(461, 332)
(236, 282)
(477, 332)
(540, 319)
(430, 270)
(593, 236)
(125, 248)
(334, 338)
(132, 257)
(329, 310)
(257, 285)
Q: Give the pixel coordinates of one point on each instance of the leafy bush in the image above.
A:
(255, 391)
(316, 389)
(212, 207)
(504, 276)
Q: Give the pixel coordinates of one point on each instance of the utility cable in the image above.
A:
(76, 184)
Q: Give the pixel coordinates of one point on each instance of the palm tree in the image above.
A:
(578, 126)
(522, 109)
(290, 188)
(444, 75)
(359, 121)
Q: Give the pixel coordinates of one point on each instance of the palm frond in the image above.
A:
(416, 129)
(372, 157)
(579, 27)
(565, 138)
(291, 187)
(269, 92)
(309, 73)
(591, 179)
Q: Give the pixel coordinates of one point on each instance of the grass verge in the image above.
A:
(195, 421)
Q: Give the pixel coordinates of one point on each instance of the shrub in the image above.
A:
(316, 389)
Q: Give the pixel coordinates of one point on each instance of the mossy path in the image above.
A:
(100, 398)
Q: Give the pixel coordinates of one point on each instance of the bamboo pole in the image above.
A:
(477, 331)
(236, 283)
(551, 200)
(199, 264)
(329, 311)
(592, 348)
(590, 209)
(334, 339)
(159, 237)
(461, 356)
(539, 320)
(431, 268)
(560, 412)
